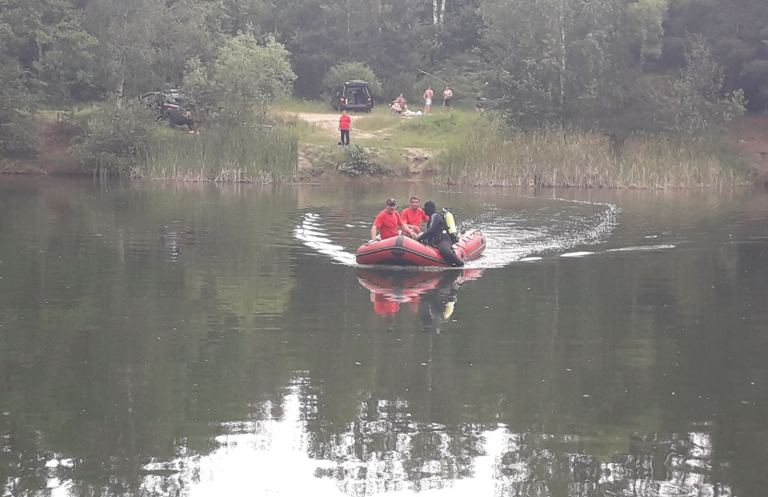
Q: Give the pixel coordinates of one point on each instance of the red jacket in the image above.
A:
(345, 122)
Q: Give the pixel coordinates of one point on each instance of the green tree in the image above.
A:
(145, 44)
(16, 138)
(246, 76)
(553, 60)
(48, 42)
(645, 22)
(737, 33)
(346, 71)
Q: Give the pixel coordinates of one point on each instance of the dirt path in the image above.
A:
(330, 123)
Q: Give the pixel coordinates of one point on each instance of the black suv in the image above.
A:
(172, 105)
(353, 95)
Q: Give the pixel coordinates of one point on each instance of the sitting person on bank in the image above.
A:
(414, 215)
(388, 222)
(437, 235)
(402, 102)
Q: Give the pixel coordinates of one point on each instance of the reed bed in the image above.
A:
(240, 154)
(563, 158)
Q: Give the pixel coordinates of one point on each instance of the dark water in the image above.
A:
(216, 341)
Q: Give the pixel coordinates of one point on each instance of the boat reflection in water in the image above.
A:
(431, 295)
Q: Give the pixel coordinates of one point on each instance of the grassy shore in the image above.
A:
(467, 147)
(556, 157)
(457, 146)
(224, 154)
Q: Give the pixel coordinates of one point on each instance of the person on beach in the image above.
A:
(345, 124)
(447, 96)
(428, 94)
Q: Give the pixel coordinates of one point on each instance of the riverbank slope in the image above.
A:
(404, 146)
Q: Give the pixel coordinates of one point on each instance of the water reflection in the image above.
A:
(429, 294)
(385, 450)
(190, 341)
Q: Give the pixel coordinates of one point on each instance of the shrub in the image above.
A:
(358, 162)
(116, 140)
(347, 71)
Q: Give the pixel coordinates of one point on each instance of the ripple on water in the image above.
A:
(638, 248)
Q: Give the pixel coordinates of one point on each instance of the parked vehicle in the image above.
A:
(171, 105)
(353, 95)
(161, 102)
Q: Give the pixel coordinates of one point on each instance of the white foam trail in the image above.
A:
(641, 248)
(311, 234)
(576, 254)
(508, 244)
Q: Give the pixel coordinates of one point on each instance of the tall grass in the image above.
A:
(225, 154)
(558, 157)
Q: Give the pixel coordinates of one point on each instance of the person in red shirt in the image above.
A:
(414, 215)
(345, 124)
(388, 221)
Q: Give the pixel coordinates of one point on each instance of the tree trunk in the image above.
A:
(120, 84)
(563, 61)
(434, 12)
(349, 30)
(442, 11)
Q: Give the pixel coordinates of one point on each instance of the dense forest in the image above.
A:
(615, 65)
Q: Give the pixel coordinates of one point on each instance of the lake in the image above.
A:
(212, 340)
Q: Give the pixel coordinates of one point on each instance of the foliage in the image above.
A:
(144, 45)
(241, 154)
(47, 40)
(572, 158)
(645, 21)
(347, 71)
(617, 65)
(244, 77)
(358, 162)
(15, 104)
(116, 141)
(691, 103)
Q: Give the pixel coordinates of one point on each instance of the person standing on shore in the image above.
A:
(345, 125)
(447, 96)
(428, 94)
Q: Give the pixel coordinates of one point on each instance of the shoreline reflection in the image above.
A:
(384, 450)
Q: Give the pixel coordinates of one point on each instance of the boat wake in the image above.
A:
(525, 236)
(551, 228)
(310, 232)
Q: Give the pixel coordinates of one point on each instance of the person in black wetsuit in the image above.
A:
(437, 235)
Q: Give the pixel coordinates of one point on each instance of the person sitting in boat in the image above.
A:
(388, 222)
(438, 235)
(413, 215)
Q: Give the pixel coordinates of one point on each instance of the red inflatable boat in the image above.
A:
(404, 251)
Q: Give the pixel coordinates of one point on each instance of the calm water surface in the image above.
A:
(200, 340)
